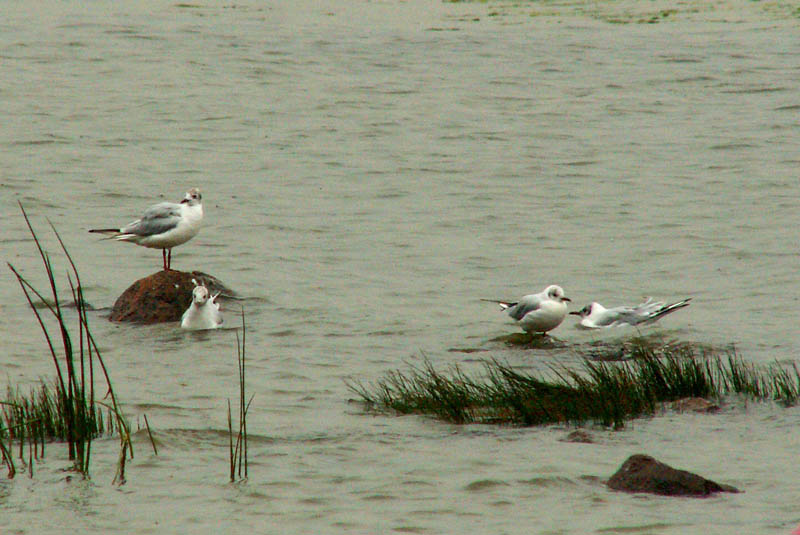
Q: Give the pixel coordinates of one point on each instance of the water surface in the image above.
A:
(370, 171)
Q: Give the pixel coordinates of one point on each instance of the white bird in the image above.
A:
(163, 225)
(203, 313)
(538, 313)
(596, 316)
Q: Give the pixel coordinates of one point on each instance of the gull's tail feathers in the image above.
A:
(503, 304)
(110, 233)
(672, 307)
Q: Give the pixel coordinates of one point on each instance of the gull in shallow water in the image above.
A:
(538, 313)
(203, 313)
(596, 316)
(163, 225)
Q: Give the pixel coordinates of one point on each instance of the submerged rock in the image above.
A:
(642, 473)
(580, 436)
(531, 340)
(694, 405)
(161, 297)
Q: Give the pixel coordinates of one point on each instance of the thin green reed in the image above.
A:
(238, 450)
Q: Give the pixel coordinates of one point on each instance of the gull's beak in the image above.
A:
(566, 299)
(576, 313)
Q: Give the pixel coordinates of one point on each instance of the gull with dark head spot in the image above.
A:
(538, 313)
(163, 226)
(596, 316)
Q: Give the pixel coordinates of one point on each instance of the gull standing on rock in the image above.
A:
(163, 226)
(538, 313)
(203, 313)
(596, 316)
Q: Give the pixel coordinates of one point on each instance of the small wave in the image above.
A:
(732, 146)
(753, 90)
(547, 482)
(485, 484)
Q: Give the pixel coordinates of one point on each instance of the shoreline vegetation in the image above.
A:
(645, 376)
(73, 408)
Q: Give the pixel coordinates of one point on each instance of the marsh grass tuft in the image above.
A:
(40, 415)
(70, 410)
(608, 393)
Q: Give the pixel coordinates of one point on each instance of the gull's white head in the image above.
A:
(200, 295)
(556, 293)
(192, 197)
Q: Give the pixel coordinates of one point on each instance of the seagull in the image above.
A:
(538, 313)
(163, 225)
(596, 316)
(203, 313)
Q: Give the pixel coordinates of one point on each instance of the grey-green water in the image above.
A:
(370, 171)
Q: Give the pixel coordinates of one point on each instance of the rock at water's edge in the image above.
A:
(161, 297)
(642, 473)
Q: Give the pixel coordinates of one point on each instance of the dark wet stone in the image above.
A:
(580, 436)
(694, 405)
(161, 297)
(642, 473)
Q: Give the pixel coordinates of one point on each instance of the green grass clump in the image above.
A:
(71, 410)
(609, 393)
(41, 414)
(39, 417)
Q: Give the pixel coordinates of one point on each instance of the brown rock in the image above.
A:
(642, 473)
(579, 436)
(163, 296)
(694, 405)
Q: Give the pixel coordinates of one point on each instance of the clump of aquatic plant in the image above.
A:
(608, 393)
(74, 408)
(39, 417)
(237, 443)
(777, 383)
(40, 414)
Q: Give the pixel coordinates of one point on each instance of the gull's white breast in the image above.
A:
(206, 316)
(548, 316)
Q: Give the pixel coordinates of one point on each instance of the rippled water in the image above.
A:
(370, 171)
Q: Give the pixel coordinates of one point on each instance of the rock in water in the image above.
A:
(161, 297)
(642, 473)
(580, 436)
(694, 405)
